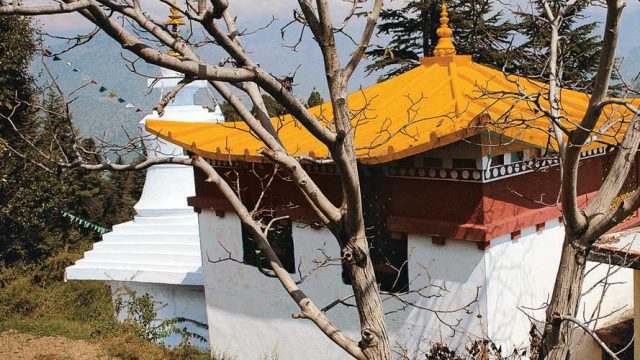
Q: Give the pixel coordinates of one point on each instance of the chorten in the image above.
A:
(158, 252)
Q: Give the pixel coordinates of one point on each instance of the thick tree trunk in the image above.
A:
(564, 301)
(375, 340)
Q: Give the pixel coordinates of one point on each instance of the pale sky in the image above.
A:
(266, 46)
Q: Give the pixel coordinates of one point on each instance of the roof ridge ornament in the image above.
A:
(175, 20)
(445, 46)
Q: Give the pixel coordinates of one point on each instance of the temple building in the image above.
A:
(158, 252)
(459, 178)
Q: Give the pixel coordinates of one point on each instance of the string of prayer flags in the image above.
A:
(84, 223)
(112, 95)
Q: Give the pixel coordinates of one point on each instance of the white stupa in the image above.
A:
(158, 252)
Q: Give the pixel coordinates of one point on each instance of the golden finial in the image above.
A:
(445, 46)
(175, 20)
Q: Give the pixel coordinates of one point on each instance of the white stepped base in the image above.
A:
(188, 226)
(109, 271)
(161, 250)
(151, 238)
(192, 218)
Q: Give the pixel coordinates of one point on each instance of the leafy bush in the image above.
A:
(142, 317)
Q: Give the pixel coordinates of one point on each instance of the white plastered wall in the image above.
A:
(520, 278)
(172, 301)
(250, 314)
(458, 267)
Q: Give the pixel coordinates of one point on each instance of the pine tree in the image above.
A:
(17, 47)
(314, 99)
(579, 46)
(126, 188)
(274, 108)
(229, 112)
(478, 30)
(32, 201)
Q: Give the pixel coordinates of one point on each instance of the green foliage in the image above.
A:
(34, 299)
(273, 109)
(579, 46)
(478, 30)
(125, 190)
(142, 317)
(229, 112)
(32, 226)
(17, 47)
(314, 99)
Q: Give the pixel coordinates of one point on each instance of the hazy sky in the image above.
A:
(267, 49)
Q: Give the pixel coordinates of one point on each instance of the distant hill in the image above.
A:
(631, 66)
(94, 113)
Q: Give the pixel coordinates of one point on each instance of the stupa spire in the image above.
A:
(445, 46)
(175, 20)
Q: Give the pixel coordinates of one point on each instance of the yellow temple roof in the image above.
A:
(445, 99)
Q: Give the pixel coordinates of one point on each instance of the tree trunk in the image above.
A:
(565, 300)
(375, 340)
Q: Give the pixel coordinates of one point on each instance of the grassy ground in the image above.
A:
(35, 300)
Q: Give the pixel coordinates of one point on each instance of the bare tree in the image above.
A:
(606, 121)
(584, 226)
(240, 74)
(138, 32)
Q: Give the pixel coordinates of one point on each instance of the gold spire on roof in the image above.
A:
(175, 20)
(445, 46)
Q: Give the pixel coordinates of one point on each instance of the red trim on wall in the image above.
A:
(476, 212)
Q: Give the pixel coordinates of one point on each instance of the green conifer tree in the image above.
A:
(32, 201)
(314, 99)
(478, 30)
(579, 46)
(126, 188)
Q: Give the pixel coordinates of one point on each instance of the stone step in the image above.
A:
(148, 247)
(152, 238)
(131, 227)
(182, 219)
(118, 271)
(136, 266)
(169, 260)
